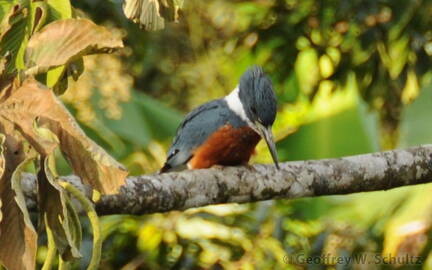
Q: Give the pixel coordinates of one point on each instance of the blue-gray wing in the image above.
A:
(197, 126)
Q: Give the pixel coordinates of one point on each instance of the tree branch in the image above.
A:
(178, 191)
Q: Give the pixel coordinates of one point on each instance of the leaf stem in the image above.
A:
(52, 251)
(94, 221)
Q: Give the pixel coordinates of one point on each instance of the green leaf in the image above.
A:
(54, 75)
(307, 70)
(59, 9)
(58, 78)
(13, 35)
(165, 124)
(9, 13)
(358, 125)
(87, 205)
(38, 14)
(143, 119)
(64, 41)
(20, 22)
(415, 121)
(5, 6)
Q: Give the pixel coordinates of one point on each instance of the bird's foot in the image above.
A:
(249, 167)
(217, 167)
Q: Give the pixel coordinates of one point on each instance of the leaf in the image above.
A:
(57, 212)
(38, 14)
(407, 232)
(326, 66)
(2, 65)
(59, 9)
(2, 165)
(10, 13)
(32, 101)
(144, 12)
(13, 35)
(170, 9)
(64, 41)
(16, 225)
(415, 123)
(138, 124)
(55, 207)
(59, 77)
(411, 89)
(87, 206)
(5, 6)
(54, 76)
(307, 70)
(20, 22)
(5, 78)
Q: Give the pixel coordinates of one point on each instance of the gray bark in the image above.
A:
(182, 190)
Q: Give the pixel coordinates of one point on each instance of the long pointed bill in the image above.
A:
(267, 134)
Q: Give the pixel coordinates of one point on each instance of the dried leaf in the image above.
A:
(5, 78)
(151, 14)
(2, 65)
(16, 228)
(55, 207)
(170, 9)
(144, 12)
(32, 101)
(2, 165)
(63, 41)
(54, 210)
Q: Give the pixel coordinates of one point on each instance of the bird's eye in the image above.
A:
(253, 109)
(173, 153)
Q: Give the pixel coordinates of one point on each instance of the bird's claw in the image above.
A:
(249, 167)
(217, 167)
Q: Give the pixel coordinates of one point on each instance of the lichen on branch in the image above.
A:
(182, 190)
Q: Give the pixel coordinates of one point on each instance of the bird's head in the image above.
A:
(259, 104)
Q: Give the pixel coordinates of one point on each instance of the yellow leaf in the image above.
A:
(307, 70)
(59, 9)
(406, 232)
(411, 89)
(326, 66)
(54, 75)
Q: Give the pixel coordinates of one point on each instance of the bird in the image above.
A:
(225, 131)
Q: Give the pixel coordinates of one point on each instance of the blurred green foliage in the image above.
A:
(351, 76)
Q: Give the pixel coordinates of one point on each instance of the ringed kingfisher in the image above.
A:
(225, 131)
